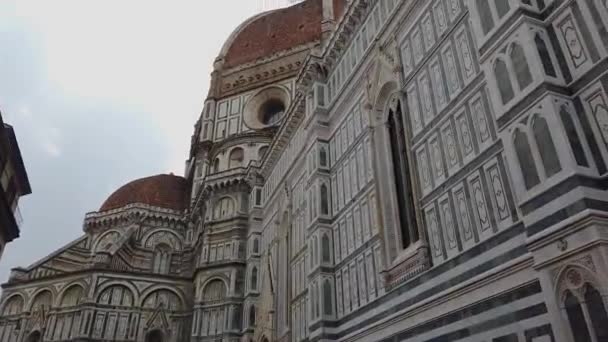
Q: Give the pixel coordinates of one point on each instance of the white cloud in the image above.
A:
(153, 56)
(51, 149)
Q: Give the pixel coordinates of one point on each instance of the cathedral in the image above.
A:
(362, 170)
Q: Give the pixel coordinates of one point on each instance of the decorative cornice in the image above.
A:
(129, 214)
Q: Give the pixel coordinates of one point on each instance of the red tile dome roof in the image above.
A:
(274, 31)
(165, 191)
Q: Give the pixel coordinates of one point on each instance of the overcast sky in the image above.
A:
(100, 93)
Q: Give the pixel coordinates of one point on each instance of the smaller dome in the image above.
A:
(164, 191)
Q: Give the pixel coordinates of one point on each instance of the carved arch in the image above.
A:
(167, 297)
(107, 285)
(101, 243)
(179, 293)
(163, 235)
(210, 281)
(12, 304)
(70, 296)
(38, 296)
(573, 278)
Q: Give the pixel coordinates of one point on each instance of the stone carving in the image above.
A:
(499, 194)
(600, 112)
(574, 45)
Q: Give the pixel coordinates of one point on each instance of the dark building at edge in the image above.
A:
(14, 184)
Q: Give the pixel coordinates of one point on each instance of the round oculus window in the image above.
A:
(266, 108)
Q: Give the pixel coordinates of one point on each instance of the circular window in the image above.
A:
(271, 111)
(266, 108)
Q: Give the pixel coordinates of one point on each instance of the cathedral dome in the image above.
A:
(164, 191)
(274, 31)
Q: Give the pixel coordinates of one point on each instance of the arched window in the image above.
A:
(325, 249)
(236, 318)
(502, 7)
(262, 152)
(162, 259)
(155, 336)
(545, 56)
(323, 157)
(117, 295)
(317, 294)
(520, 65)
(485, 15)
(43, 299)
(504, 81)
(71, 296)
(576, 318)
(324, 200)
(597, 312)
(546, 148)
(315, 250)
(216, 165)
(224, 208)
(214, 291)
(36, 336)
(252, 315)
(13, 306)
(236, 158)
(573, 138)
(402, 179)
(254, 279)
(327, 298)
(526, 161)
(166, 299)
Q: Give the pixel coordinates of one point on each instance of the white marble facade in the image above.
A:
(431, 171)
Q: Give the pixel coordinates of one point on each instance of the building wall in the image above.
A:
(483, 228)
(499, 235)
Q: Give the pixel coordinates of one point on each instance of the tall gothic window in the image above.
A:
(323, 157)
(520, 64)
(327, 300)
(546, 148)
(324, 200)
(162, 259)
(485, 15)
(597, 313)
(315, 250)
(545, 57)
(402, 179)
(576, 318)
(254, 279)
(256, 246)
(236, 318)
(252, 315)
(526, 161)
(325, 249)
(573, 138)
(502, 7)
(504, 81)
